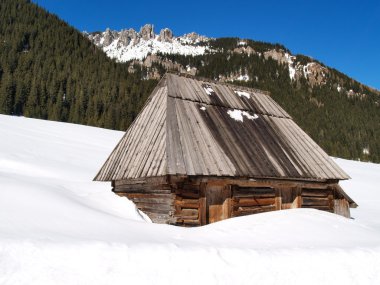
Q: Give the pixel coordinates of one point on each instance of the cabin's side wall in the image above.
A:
(152, 196)
(196, 201)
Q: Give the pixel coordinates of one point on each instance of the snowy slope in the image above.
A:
(59, 227)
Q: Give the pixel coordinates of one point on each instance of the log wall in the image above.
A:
(154, 197)
(320, 199)
(189, 208)
(195, 201)
(250, 200)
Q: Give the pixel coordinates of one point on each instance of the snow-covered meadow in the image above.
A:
(57, 226)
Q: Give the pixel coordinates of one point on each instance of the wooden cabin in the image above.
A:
(201, 151)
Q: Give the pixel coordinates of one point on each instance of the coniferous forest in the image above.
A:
(49, 70)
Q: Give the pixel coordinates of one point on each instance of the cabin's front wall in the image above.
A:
(198, 201)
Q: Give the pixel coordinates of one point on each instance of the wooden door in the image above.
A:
(218, 203)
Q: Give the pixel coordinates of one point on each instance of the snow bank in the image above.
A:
(59, 227)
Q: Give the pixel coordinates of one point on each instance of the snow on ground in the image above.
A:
(59, 227)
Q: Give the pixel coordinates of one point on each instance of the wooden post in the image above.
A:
(202, 204)
(278, 199)
(298, 199)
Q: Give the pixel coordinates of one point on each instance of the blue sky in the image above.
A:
(342, 34)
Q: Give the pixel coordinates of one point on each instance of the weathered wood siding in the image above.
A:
(188, 204)
(154, 197)
(187, 201)
(252, 200)
(341, 207)
(321, 199)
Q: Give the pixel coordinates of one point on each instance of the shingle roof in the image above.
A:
(197, 127)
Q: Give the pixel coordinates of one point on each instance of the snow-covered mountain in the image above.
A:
(57, 226)
(128, 44)
(142, 48)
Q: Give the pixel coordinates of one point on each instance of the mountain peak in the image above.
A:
(147, 32)
(128, 44)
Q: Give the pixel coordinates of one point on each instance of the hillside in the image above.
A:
(50, 70)
(57, 226)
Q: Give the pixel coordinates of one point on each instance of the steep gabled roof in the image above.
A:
(197, 127)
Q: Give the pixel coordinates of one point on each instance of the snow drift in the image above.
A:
(57, 226)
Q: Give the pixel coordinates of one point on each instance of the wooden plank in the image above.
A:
(153, 208)
(253, 191)
(244, 202)
(322, 208)
(150, 195)
(188, 214)
(158, 155)
(190, 187)
(202, 204)
(143, 187)
(176, 163)
(187, 195)
(152, 201)
(187, 203)
(191, 222)
(142, 190)
(316, 192)
(185, 139)
(242, 211)
(341, 207)
(315, 202)
(160, 180)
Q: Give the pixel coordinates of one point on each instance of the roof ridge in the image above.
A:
(199, 78)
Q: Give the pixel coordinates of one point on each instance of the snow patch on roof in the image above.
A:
(242, 93)
(209, 90)
(237, 115)
(249, 116)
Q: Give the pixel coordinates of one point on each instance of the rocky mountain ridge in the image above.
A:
(148, 49)
(127, 44)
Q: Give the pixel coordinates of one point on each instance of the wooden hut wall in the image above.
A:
(196, 201)
(152, 196)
